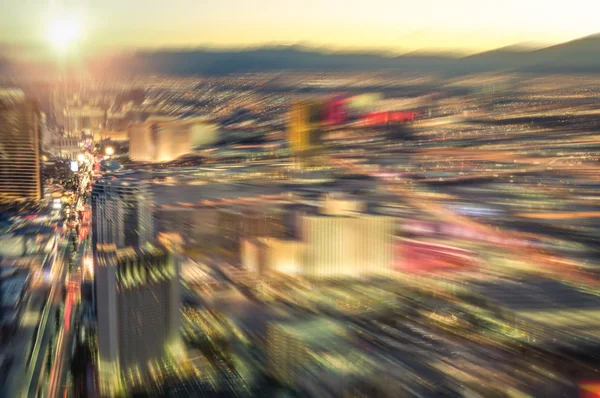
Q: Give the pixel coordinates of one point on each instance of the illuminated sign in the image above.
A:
(57, 204)
(74, 166)
(381, 118)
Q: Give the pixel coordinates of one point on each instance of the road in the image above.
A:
(64, 340)
(33, 379)
(35, 383)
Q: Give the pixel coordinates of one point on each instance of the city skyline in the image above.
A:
(466, 26)
(327, 198)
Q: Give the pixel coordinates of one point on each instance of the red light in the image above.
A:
(589, 389)
(379, 118)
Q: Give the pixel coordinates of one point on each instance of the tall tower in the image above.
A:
(122, 213)
(136, 286)
(138, 299)
(20, 144)
(304, 131)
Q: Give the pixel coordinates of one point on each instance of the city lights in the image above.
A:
(283, 220)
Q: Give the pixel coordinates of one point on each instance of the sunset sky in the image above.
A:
(396, 25)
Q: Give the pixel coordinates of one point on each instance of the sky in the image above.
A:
(393, 25)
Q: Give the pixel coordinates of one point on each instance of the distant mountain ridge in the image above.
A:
(577, 56)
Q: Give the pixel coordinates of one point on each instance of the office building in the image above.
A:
(20, 146)
(122, 213)
(138, 299)
(304, 130)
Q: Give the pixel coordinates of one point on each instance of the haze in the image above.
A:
(463, 25)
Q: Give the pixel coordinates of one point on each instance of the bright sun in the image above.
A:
(64, 32)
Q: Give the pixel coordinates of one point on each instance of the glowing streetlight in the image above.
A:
(109, 151)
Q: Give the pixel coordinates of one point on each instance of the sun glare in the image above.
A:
(64, 32)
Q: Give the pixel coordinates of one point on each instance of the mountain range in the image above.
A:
(578, 56)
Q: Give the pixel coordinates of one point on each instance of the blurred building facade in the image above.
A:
(304, 130)
(340, 240)
(314, 356)
(162, 139)
(265, 257)
(197, 225)
(240, 222)
(122, 213)
(20, 146)
(138, 298)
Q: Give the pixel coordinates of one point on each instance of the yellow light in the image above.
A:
(63, 32)
(81, 157)
(109, 151)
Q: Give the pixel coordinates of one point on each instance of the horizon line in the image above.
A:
(106, 50)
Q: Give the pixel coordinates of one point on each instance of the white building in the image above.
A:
(341, 241)
(347, 246)
(159, 140)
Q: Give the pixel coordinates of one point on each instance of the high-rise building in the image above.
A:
(122, 213)
(138, 299)
(304, 130)
(20, 145)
